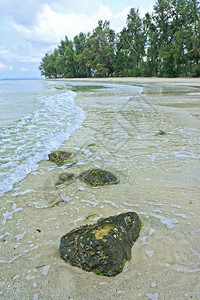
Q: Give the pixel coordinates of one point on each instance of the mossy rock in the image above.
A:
(65, 178)
(104, 247)
(61, 157)
(97, 177)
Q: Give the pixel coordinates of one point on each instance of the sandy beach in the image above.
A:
(159, 179)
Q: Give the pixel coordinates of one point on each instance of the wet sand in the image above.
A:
(159, 179)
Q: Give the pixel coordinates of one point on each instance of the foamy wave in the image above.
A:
(26, 142)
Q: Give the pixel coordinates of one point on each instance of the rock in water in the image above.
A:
(60, 157)
(98, 177)
(103, 247)
(65, 178)
(160, 132)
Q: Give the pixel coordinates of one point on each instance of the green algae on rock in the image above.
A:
(65, 178)
(96, 177)
(104, 247)
(60, 157)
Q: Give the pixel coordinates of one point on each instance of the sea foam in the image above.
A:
(29, 140)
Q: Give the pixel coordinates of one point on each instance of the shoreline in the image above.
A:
(137, 80)
(158, 179)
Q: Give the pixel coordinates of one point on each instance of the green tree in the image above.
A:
(121, 59)
(102, 43)
(195, 38)
(164, 43)
(162, 15)
(134, 39)
(69, 70)
(79, 45)
(179, 55)
(47, 66)
(150, 68)
(86, 58)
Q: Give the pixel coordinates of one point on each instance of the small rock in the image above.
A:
(96, 177)
(65, 178)
(103, 247)
(160, 132)
(60, 157)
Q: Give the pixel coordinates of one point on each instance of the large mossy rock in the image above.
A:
(60, 157)
(96, 177)
(103, 247)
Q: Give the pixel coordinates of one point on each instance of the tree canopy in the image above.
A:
(164, 43)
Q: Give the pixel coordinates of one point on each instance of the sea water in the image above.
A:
(159, 180)
(35, 118)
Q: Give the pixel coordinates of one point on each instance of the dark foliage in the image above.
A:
(164, 43)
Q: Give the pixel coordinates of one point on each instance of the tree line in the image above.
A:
(164, 43)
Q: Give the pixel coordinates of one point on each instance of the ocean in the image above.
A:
(36, 116)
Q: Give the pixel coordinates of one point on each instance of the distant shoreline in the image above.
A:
(138, 80)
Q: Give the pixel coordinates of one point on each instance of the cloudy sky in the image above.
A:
(30, 28)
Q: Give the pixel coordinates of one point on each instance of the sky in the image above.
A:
(31, 28)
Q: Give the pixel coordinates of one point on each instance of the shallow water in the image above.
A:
(20, 97)
(35, 120)
(159, 179)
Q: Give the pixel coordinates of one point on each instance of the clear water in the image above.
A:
(35, 118)
(159, 179)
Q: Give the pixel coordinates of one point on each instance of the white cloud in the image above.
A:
(51, 26)
(123, 14)
(119, 20)
(5, 67)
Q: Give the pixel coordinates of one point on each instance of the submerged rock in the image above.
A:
(160, 132)
(60, 157)
(98, 177)
(65, 178)
(103, 247)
